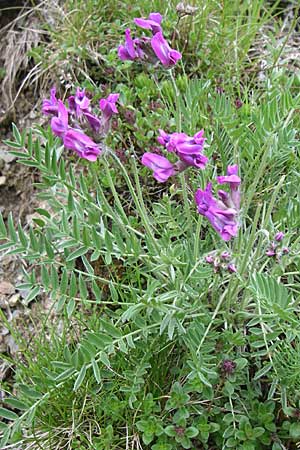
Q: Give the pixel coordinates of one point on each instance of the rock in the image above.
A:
(6, 288)
(12, 345)
(12, 301)
(2, 180)
(6, 157)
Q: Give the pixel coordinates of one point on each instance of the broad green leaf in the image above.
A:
(70, 307)
(43, 212)
(15, 403)
(265, 369)
(87, 265)
(22, 237)
(11, 228)
(80, 378)
(7, 414)
(104, 359)
(29, 392)
(96, 371)
(32, 294)
(3, 232)
(79, 252)
(73, 285)
(65, 375)
(110, 328)
(100, 340)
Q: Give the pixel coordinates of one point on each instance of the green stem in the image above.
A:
(212, 320)
(137, 196)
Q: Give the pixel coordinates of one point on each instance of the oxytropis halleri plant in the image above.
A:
(148, 49)
(71, 124)
(74, 124)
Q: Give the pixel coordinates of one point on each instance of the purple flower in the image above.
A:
(163, 138)
(108, 108)
(225, 256)
(209, 259)
(188, 149)
(228, 366)
(167, 56)
(238, 103)
(79, 104)
(50, 106)
(83, 145)
(222, 218)
(231, 268)
(81, 100)
(108, 105)
(161, 166)
(59, 125)
(128, 51)
(234, 181)
(271, 250)
(279, 236)
(152, 23)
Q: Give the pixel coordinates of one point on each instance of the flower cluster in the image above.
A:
(221, 262)
(276, 248)
(71, 124)
(152, 49)
(187, 149)
(222, 212)
(77, 126)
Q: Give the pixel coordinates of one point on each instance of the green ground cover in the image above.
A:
(162, 346)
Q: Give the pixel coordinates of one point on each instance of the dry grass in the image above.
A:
(17, 39)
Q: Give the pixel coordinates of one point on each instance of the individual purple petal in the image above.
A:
(225, 197)
(230, 179)
(279, 236)
(82, 101)
(231, 268)
(225, 255)
(79, 103)
(209, 259)
(163, 137)
(108, 108)
(59, 125)
(233, 170)
(238, 103)
(156, 17)
(175, 139)
(72, 103)
(152, 23)
(94, 122)
(234, 182)
(167, 56)
(161, 166)
(196, 160)
(108, 105)
(50, 106)
(199, 138)
(82, 144)
(127, 51)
